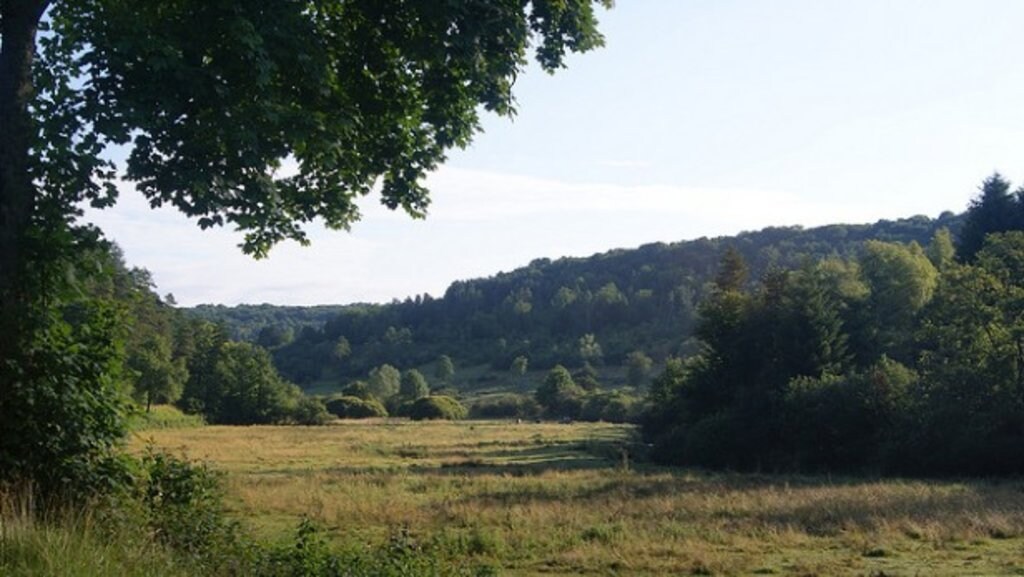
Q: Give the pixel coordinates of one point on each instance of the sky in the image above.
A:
(698, 118)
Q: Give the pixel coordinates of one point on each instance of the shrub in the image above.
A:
(310, 411)
(614, 407)
(437, 407)
(346, 407)
(357, 389)
(184, 507)
(507, 406)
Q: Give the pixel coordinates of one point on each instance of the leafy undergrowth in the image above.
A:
(544, 498)
(171, 521)
(164, 417)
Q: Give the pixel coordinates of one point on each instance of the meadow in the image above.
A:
(578, 499)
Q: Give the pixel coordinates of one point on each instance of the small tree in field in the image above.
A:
(414, 385)
(445, 369)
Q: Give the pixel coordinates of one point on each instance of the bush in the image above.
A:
(614, 407)
(346, 407)
(310, 411)
(164, 417)
(184, 508)
(358, 389)
(507, 406)
(437, 407)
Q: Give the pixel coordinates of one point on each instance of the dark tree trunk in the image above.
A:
(19, 20)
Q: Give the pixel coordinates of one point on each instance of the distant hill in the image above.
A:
(627, 299)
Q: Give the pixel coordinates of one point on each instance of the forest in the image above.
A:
(787, 400)
(624, 301)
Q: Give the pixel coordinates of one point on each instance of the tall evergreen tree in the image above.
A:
(993, 210)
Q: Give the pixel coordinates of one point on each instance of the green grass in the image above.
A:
(554, 499)
(74, 543)
(163, 417)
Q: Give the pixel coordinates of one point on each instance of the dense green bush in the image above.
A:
(611, 407)
(505, 406)
(311, 411)
(437, 407)
(346, 407)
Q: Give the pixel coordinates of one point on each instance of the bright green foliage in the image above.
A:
(347, 407)
(437, 407)
(901, 280)
(384, 381)
(155, 376)
(413, 385)
(940, 250)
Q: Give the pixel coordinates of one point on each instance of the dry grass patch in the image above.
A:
(568, 499)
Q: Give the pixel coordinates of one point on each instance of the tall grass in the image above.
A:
(66, 541)
(574, 499)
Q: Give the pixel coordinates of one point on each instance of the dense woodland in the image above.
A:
(901, 359)
(570, 311)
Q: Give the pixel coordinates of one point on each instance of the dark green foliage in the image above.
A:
(208, 99)
(505, 406)
(559, 394)
(444, 369)
(611, 407)
(639, 367)
(237, 384)
(846, 422)
(437, 407)
(310, 412)
(994, 210)
(413, 385)
(347, 407)
(156, 376)
(897, 362)
(183, 503)
(357, 389)
(627, 300)
(63, 411)
(586, 377)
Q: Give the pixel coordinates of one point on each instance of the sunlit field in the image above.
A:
(543, 499)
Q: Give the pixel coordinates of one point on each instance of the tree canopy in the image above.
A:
(263, 116)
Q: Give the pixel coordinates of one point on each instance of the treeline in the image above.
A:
(172, 358)
(903, 359)
(569, 311)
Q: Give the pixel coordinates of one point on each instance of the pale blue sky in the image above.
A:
(699, 117)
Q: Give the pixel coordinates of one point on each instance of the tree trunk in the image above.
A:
(19, 20)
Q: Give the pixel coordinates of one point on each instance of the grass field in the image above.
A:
(552, 499)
